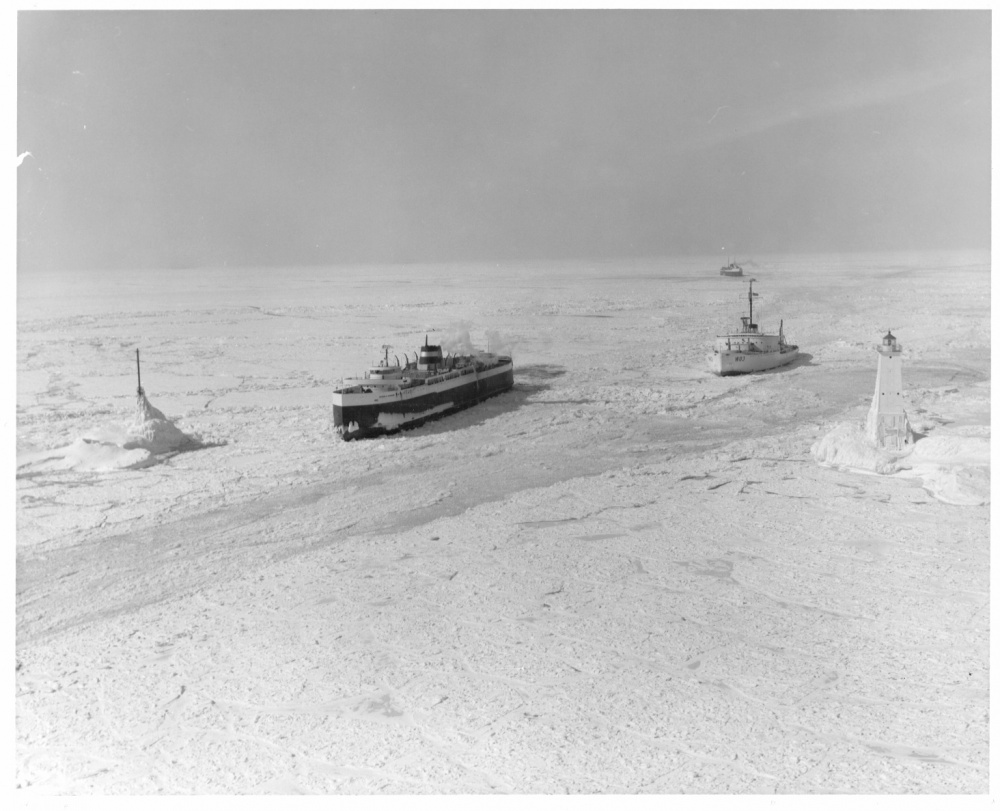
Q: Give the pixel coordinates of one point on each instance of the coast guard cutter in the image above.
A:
(747, 349)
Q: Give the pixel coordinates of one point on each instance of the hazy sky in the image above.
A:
(188, 138)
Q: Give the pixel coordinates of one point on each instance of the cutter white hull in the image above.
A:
(741, 363)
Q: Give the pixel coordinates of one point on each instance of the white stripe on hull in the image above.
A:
(390, 421)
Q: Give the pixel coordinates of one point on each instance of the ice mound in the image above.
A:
(952, 450)
(154, 432)
(86, 454)
(110, 448)
(966, 487)
(953, 469)
(847, 445)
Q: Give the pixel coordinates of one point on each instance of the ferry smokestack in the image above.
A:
(430, 357)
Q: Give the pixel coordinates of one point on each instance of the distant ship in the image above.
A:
(750, 350)
(732, 269)
(391, 397)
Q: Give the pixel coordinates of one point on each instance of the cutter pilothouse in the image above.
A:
(393, 396)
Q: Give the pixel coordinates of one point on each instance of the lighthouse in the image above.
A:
(887, 426)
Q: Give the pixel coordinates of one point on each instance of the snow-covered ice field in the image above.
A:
(626, 575)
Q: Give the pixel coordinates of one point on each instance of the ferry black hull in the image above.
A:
(365, 421)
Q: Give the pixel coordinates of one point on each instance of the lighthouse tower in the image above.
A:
(887, 426)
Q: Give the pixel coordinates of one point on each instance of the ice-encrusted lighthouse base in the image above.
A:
(887, 426)
(952, 467)
(154, 432)
(149, 439)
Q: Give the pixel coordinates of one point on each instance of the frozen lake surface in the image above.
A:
(625, 575)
